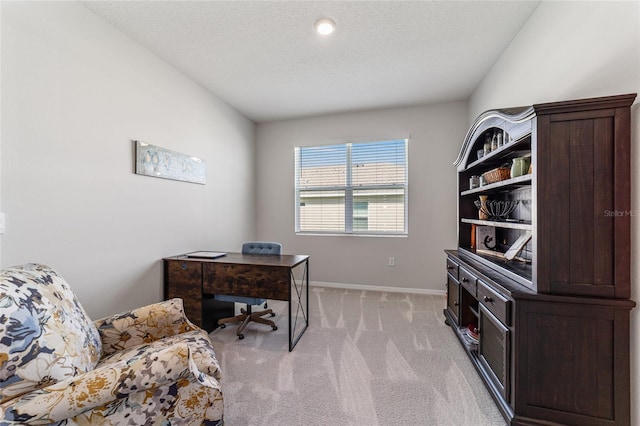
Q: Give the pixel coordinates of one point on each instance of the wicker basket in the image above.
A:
(496, 175)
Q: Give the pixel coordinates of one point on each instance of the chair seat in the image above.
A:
(239, 299)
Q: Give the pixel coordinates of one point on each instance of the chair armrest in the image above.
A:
(143, 325)
(66, 399)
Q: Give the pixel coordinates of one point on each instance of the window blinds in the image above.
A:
(355, 188)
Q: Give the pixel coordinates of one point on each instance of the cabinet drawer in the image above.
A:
(468, 281)
(452, 268)
(496, 303)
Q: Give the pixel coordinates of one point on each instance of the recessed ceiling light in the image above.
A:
(325, 26)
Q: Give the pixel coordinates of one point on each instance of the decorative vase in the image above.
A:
(482, 211)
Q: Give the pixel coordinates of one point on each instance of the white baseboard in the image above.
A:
(379, 288)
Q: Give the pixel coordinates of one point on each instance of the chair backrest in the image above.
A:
(45, 333)
(261, 247)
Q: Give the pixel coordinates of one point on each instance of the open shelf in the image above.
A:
(526, 226)
(470, 347)
(519, 271)
(524, 180)
(470, 343)
(509, 150)
(474, 311)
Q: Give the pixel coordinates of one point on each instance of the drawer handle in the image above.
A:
(465, 280)
(183, 265)
(449, 267)
(488, 299)
(455, 303)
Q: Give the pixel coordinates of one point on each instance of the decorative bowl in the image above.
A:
(497, 210)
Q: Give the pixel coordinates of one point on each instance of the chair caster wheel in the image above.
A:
(275, 327)
(272, 315)
(223, 325)
(240, 336)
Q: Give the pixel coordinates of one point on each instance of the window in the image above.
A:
(352, 188)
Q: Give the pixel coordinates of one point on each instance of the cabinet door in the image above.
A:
(453, 298)
(573, 363)
(494, 350)
(583, 206)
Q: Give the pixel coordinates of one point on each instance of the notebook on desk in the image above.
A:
(206, 254)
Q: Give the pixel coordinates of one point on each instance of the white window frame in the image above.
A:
(348, 189)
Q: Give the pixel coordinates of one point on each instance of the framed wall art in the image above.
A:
(163, 163)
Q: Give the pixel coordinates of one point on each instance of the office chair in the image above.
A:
(246, 316)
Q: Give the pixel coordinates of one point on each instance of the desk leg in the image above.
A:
(300, 291)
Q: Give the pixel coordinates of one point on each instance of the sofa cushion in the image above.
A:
(45, 334)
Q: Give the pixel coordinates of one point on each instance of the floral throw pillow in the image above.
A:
(45, 334)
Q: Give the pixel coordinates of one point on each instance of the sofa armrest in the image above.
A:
(143, 325)
(76, 395)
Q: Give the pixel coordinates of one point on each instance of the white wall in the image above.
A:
(435, 136)
(567, 50)
(75, 92)
(572, 50)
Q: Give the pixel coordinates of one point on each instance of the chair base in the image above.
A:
(246, 317)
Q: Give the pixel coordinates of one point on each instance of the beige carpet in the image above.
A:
(367, 358)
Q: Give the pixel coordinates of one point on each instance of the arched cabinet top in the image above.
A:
(517, 122)
(514, 121)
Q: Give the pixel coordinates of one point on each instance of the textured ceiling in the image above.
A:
(265, 60)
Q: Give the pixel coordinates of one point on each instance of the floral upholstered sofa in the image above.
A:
(145, 367)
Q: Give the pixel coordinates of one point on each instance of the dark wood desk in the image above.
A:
(237, 274)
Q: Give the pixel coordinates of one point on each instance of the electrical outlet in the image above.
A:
(392, 261)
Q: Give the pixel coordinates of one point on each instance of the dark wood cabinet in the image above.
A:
(552, 312)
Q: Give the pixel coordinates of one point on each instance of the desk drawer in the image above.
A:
(468, 281)
(184, 280)
(261, 281)
(499, 305)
